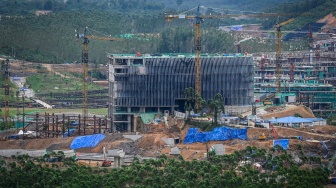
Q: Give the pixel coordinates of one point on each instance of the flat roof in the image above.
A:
(177, 55)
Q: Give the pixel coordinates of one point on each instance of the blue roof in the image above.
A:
(315, 119)
(290, 119)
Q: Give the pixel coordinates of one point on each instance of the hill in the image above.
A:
(50, 38)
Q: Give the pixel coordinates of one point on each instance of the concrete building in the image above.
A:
(156, 83)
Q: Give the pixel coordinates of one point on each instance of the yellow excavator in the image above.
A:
(262, 137)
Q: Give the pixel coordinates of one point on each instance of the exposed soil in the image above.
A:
(288, 111)
(151, 144)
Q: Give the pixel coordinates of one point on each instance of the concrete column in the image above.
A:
(129, 120)
(113, 126)
(134, 123)
(118, 162)
(129, 127)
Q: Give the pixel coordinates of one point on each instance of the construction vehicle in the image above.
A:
(106, 162)
(85, 61)
(238, 44)
(275, 134)
(262, 137)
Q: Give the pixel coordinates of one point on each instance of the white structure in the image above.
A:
(219, 149)
(118, 155)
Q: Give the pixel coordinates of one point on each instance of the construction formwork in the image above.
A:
(60, 125)
(147, 83)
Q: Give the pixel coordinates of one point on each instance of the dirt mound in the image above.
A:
(152, 141)
(288, 111)
(110, 142)
(49, 143)
(325, 129)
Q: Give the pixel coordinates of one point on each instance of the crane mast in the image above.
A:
(6, 87)
(85, 61)
(278, 58)
(198, 48)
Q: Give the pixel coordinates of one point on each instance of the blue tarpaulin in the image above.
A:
(67, 134)
(86, 141)
(283, 143)
(217, 134)
(236, 28)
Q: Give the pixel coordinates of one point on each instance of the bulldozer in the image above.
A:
(106, 162)
(262, 137)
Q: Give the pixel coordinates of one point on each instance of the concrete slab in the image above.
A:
(10, 152)
(133, 137)
(219, 149)
(169, 141)
(116, 153)
(16, 152)
(175, 151)
(35, 153)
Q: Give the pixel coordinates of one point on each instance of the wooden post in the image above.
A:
(99, 125)
(53, 125)
(63, 126)
(94, 124)
(68, 126)
(79, 124)
(84, 123)
(56, 126)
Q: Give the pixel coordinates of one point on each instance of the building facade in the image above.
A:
(156, 83)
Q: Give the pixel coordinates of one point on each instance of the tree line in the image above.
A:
(232, 170)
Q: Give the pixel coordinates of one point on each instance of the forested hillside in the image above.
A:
(51, 38)
(29, 6)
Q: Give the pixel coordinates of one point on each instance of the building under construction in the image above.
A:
(156, 83)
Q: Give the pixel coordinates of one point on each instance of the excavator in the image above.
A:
(106, 162)
(262, 137)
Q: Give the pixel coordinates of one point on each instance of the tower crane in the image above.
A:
(278, 51)
(5, 66)
(85, 61)
(197, 40)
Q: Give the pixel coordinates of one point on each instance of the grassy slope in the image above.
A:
(46, 83)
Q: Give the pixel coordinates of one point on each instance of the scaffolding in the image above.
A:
(60, 125)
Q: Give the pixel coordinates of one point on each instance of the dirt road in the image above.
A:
(50, 69)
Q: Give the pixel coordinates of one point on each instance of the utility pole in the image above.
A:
(23, 114)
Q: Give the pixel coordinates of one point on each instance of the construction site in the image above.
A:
(268, 99)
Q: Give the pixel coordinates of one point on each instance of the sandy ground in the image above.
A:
(289, 111)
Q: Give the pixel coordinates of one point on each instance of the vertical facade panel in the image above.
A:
(162, 80)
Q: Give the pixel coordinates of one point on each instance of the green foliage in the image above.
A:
(297, 115)
(217, 171)
(217, 105)
(40, 83)
(3, 124)
(331, 120)
(311, 11)
(204, 126)
(50, 38)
